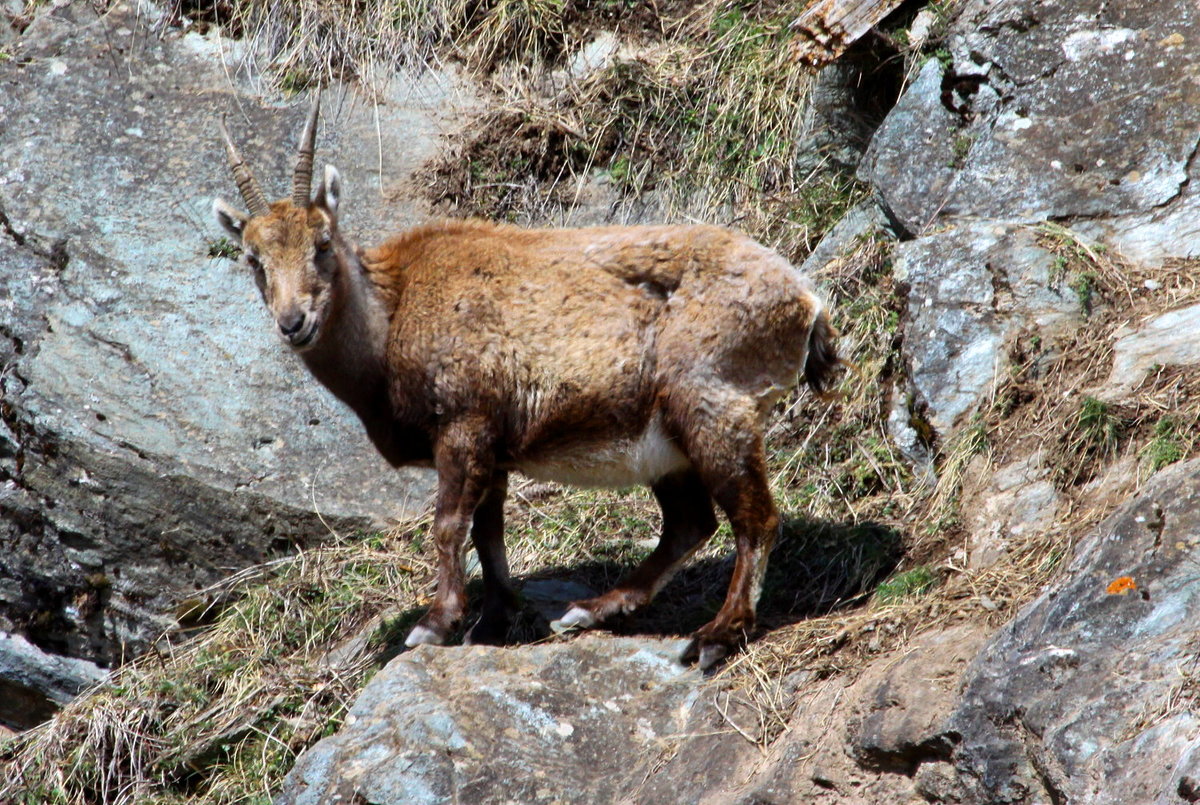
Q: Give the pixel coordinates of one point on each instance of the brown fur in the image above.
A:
(606, 355)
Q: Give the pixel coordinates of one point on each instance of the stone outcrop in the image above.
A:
(34, 682)
(550, 723)
(154, 435)
(1032, 119)
(1085, 697)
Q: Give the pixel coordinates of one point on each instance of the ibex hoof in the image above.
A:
(706, 655)
(576, 618)
(711, 655)
(486, 633)
(423, 635)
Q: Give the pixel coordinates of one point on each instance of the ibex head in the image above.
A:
(291, 246)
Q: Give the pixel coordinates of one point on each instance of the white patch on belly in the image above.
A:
(627, 462)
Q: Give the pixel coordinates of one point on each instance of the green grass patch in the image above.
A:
(909, 584)
(224, 248)
(1168, 445)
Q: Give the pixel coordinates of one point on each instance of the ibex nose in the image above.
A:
(291, 322)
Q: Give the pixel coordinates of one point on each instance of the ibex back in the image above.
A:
(609, 357)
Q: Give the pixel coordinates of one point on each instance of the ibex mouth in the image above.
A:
(306, 335)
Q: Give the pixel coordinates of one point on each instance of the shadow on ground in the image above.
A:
(816, 567)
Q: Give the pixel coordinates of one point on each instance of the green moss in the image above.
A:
(908, 584)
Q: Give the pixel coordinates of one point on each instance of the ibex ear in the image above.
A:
(231, 219)
(329, 194)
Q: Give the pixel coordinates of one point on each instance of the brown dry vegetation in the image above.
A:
(705, 116)
(702, 104)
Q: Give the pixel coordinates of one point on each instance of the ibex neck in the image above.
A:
(350, 358)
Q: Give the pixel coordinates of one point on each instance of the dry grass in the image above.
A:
(219, 716)
(703, 122)
(703, 108)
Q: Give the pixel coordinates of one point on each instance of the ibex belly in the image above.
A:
(621, 462)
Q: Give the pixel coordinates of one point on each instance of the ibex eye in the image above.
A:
(253, 262)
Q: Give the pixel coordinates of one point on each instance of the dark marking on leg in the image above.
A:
(463, 457)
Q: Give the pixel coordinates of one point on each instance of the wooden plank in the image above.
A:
(828, 27)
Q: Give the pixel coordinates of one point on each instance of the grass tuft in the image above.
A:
(220, 716)
(908, 584)
(224, 248)
(1170, 443)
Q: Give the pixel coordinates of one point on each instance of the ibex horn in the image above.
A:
(302, 177)
(252, 194)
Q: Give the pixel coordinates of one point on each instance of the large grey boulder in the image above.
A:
(1099, 107)
(911, 157)
(154, 434)
(1082, 112)
(973, 287)
(581, 721)
(1084, 698)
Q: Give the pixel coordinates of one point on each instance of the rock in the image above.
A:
(1078, 699)
(839, 119)
(1101, 107)
(1013, 500)
(574, 721)
(845, 741)
(155, 433)
(1084, 109)
(938, 782)
(595, 55)
(911, 159)
(973, 286)
(1153, 237)
(1172, 339)
(863, 220)
(907, 702)
(33, 683)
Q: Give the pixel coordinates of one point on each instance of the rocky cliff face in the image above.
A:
(154, 436)
(1032, 185)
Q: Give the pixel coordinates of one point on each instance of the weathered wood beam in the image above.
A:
(828, 27)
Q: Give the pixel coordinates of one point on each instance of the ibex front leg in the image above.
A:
(464, 468)
(499, 601)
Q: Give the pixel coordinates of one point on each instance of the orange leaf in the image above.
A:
(1121, 585)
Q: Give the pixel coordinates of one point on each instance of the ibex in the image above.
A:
(608, 356)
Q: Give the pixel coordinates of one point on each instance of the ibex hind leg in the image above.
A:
(727, 452)
(688, 522)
